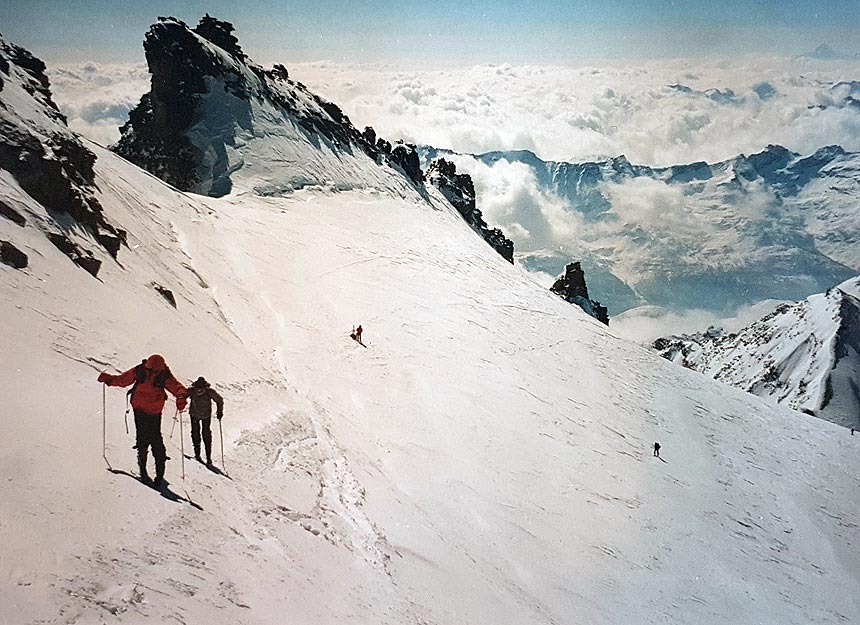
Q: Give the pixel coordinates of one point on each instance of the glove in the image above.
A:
(219, 415)
(105, 378)
(181, 402)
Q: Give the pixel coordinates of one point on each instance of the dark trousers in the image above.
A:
(204, 425)
(148, 434)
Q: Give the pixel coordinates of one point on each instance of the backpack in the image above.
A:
(159, 380)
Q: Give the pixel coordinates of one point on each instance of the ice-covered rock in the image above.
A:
(50, 166)
(213, 118)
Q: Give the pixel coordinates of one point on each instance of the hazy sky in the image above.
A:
(446, 31)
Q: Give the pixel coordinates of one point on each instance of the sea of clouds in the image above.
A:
(656, 113)
(96, 98)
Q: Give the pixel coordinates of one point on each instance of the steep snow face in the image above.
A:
(806, 355)
(48, 164)
(485, 459)
(213, 119)
(772, 225)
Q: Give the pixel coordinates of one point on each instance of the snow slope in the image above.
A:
(485, 460)
(804, 355)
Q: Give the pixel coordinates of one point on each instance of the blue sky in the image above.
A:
(447, 30)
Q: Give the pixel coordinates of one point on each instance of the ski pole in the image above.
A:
(173, 427)
(126, 414)
(104, 426)
(181, 442)
(221, 432)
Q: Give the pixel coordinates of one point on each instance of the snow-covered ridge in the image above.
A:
(771, 225)
(212, 119)
(804, 355)
(45, 161)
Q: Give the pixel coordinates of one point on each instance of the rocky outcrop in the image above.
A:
(82, 258)
(207, 98)
(405, 156)
(572, 288)
(166, 293)
(680, 348)
(11, 214)
(12, 256)
(47, 160)
(460, 191)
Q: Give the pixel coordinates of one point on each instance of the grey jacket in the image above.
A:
(201, 402)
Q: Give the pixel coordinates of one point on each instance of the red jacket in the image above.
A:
(148, 397)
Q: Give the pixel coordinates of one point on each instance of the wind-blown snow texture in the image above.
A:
(805, 355)
(485, 460)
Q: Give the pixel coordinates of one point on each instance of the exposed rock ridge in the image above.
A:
(804, 355)
(460, 191)
(47, 160)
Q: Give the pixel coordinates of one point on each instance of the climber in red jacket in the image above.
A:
(150, 378)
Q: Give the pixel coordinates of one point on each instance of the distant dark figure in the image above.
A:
(202, 395)
(852, 431)
(657, 450)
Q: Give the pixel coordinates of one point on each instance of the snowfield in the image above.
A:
(487, 459)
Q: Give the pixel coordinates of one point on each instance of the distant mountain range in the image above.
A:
(770, 225)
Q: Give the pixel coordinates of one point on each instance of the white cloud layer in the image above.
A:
(656, 113)
(96, 98)
(648, 323)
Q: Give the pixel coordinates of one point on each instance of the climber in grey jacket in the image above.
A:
(202, 395)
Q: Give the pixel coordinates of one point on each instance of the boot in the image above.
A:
(141, 463)
(159, 472)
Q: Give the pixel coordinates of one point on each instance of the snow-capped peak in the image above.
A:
(804, 355)
(213, 118)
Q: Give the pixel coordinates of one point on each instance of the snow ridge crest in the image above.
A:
(212, 113)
